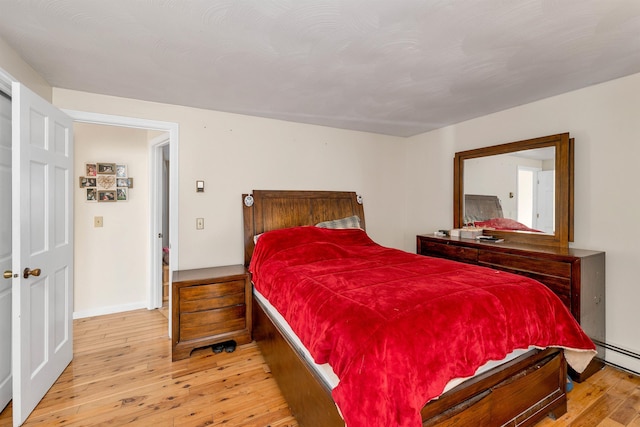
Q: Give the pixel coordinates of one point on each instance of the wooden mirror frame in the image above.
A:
(563, 222)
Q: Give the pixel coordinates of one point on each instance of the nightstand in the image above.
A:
(209, 306)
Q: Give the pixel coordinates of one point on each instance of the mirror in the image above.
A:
(523, 190)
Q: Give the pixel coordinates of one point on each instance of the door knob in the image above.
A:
(28, 272)
(8, 274)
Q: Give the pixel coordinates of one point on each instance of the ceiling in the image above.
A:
(391, 67)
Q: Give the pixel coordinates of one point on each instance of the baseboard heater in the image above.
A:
(619, 350)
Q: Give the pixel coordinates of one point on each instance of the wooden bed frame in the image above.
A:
(517, 393)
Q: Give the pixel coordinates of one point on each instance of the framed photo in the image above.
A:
(124, 182)
(122, 194)
(121, 171)
(90, 169)
(86, 181)
(106, 168)
(92, 195)
(106, 195)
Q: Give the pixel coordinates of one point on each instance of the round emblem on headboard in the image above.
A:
(359, 199)
(248, 200)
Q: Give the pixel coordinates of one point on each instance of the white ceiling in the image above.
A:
(392, 67)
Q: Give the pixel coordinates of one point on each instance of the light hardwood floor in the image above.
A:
(122, 374)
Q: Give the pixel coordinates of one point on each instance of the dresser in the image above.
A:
(209, 306)
(577, 276)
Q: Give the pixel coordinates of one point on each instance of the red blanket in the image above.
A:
(505, 224)
(395, 326)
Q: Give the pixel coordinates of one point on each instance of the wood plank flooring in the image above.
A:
(122, 374)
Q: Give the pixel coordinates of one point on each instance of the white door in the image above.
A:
(5, 250)
(42, 215)
(545, 215)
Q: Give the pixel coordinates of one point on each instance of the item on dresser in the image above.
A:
(577, 276)
(210, 306)
(487, 239)
(470, 232)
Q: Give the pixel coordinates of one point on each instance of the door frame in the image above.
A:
(5, 86)
(5, 81)
(155, 292)
(156, 203)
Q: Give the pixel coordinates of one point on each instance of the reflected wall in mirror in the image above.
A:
(522, 191)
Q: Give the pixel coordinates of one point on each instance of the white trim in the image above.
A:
(6, 80)
(172, 128)
(109, 310)
(156, 201)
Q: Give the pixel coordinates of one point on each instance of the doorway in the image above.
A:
(170, 132)
(536, 198)
(6, 208)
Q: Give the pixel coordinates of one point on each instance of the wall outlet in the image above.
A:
(199, 223)
(97, 221)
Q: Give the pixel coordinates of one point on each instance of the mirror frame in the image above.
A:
(563, 229)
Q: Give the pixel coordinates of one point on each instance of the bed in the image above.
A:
(519, 391)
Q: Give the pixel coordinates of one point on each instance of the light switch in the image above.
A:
(97, 221)
(200, 186)
(199, 223)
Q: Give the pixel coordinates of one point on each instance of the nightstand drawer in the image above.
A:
(213, 290)
(209, 297)
(206, 323)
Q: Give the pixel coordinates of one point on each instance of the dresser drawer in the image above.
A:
(457, 253)
(558, 285)
(205, 323)
(209, 297)
(526, 264)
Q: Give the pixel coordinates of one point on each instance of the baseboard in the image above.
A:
(101, 311)
(620, 357)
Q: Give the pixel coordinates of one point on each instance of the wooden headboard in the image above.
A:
(482, 207)
(266, 210)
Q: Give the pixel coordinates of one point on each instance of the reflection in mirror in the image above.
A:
(522, 191)
(517, 186)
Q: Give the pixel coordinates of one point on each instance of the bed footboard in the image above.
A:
(518, 393)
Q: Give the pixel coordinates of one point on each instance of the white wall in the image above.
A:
(235, 154)
(605, 122)
(111, 262)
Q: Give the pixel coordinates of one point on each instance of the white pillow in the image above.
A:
(348, 222)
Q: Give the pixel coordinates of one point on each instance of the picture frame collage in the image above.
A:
(106, 182)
